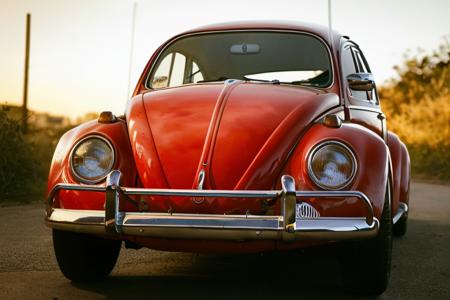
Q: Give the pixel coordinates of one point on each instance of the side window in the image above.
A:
(364, 68)
(175, 70)
(348, 64)
(161, 76)
(196, 74)
(177, 74)
(349, 67)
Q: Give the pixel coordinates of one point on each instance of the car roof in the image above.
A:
(319, 30)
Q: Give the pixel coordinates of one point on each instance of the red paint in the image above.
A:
(60, 171)
(401, 170)
(244, 136)
(371, 174)
(237, 130)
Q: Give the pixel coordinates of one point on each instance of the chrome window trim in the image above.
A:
(316, 180)
(330, 56)
(72, 170)
(366, 108)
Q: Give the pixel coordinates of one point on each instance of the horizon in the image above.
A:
(72, 47)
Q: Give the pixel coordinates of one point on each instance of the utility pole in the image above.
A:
(25, 81)
(130, 61)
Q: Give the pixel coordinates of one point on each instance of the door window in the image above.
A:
(363, 67)
(174, 70)
(349, 67)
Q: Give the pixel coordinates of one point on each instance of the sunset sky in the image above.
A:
(80, 50)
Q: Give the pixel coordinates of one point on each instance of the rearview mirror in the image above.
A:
(245, 49)
(361, 81)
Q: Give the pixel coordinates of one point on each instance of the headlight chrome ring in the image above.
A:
(98, 159)
(332, 165)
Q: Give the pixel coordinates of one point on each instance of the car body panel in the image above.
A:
(60, 171)
(401, 172)
(366, 145)
(241, 136)
(200, 127)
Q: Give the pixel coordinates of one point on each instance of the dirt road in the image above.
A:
(421, 264)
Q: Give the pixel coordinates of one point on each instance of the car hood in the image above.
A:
(238, 134)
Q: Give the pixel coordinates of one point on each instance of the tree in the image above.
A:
(17, 165)
(417, 106)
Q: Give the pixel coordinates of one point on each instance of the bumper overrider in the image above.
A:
(290, 225)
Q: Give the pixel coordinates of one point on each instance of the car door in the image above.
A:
(363, 107)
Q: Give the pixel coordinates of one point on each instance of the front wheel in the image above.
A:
(366, 265)
(82, 257)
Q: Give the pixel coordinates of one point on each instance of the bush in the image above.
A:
(417, 106)
(18, 168)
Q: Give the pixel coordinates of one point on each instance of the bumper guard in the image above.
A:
(286, 226)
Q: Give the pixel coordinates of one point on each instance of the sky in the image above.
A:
(81, 51)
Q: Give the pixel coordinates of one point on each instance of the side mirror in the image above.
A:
(361, 81)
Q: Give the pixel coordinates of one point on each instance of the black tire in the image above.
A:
(401, 227)
(366, 266)
(82, 257)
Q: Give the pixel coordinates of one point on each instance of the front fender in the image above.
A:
(401, 170)
(372, 156)
(60, 171)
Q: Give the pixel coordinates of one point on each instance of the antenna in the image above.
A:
(330, 31)
(130, 61)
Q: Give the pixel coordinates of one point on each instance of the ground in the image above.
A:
(420, 266)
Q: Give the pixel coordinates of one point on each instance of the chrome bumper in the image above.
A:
(286, 226)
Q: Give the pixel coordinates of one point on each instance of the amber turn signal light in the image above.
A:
(107, 117)
(332, 121)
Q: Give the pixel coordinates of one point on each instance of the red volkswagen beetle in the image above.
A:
(239, 137)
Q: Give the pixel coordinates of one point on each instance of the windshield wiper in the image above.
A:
(304, 82)
(222, 78)
(320, 80)
(274, 81)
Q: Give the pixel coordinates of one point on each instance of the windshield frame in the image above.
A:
(156, 61)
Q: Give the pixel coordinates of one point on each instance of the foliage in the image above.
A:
(417, 106)
(87, 117)
(24, 158)
(18, 169)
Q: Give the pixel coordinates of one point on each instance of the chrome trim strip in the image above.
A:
(70, 187)
(86, 217)
(112, 221)
(342, 194)
(202, 221)
(402, 210)
(229, 227)
(112, 203)
(201, 180)
(166, 192)
(201, 193)
(288, 201)
(335, 229)
(366, 108)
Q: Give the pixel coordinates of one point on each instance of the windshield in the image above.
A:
(290, 58)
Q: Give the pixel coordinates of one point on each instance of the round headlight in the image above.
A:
(92, 159)
(331, 165)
